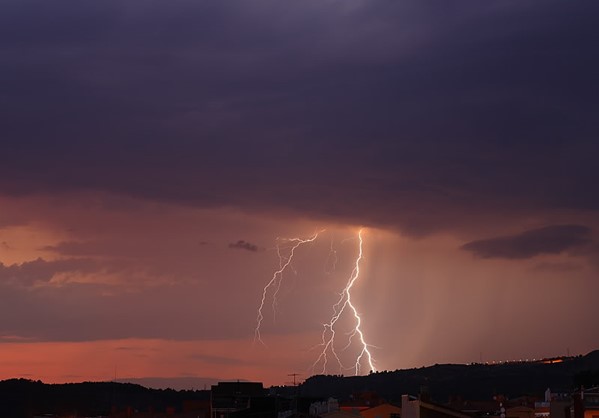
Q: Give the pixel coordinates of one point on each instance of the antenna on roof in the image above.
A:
(294, 376)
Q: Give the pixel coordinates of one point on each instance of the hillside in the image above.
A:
(475, 381)
(25, 398)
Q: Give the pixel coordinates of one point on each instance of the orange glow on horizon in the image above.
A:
(66, 362)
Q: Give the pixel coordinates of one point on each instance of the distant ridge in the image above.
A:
(176, 383)
(591, 360)
(474, 381)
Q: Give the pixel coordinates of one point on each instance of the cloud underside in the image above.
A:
(394, 113)
(549, 240)
(243, 245)
(42, 271)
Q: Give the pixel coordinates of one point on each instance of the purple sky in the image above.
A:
(153, 151)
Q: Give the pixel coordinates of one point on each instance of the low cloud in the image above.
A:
(217, 359)
(244, 245)
(76, 248)
(14, 339)
(548, 240)
(40, 270)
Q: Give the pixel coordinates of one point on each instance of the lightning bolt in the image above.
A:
(277, 278)
(285, 253)
(329, 329)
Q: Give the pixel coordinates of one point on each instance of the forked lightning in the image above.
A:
(277, 277)
(343, 304)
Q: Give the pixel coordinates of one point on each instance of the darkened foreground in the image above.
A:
(26, 398)
(442, 383)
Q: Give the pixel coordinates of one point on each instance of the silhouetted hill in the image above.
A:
(475, 381)
(26, 398)
(177, 383)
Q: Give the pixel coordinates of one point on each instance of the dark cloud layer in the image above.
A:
(244, 245)
(410, 113)
(549, 240)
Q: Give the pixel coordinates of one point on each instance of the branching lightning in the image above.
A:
(344, 304)
(329, 331)
(277, 278)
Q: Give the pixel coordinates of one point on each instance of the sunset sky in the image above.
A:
(154, 153)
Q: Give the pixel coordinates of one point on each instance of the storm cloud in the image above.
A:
(385, 113)
(549, 240)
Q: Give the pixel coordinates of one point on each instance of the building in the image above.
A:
(585, 403)
(230, 397)
(323, 407)
(520, 412)
(385, 410)
(418, 408)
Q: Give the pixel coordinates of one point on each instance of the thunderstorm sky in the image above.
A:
(152, 152)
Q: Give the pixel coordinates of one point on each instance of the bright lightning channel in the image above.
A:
(329, 331)
(277, 277)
